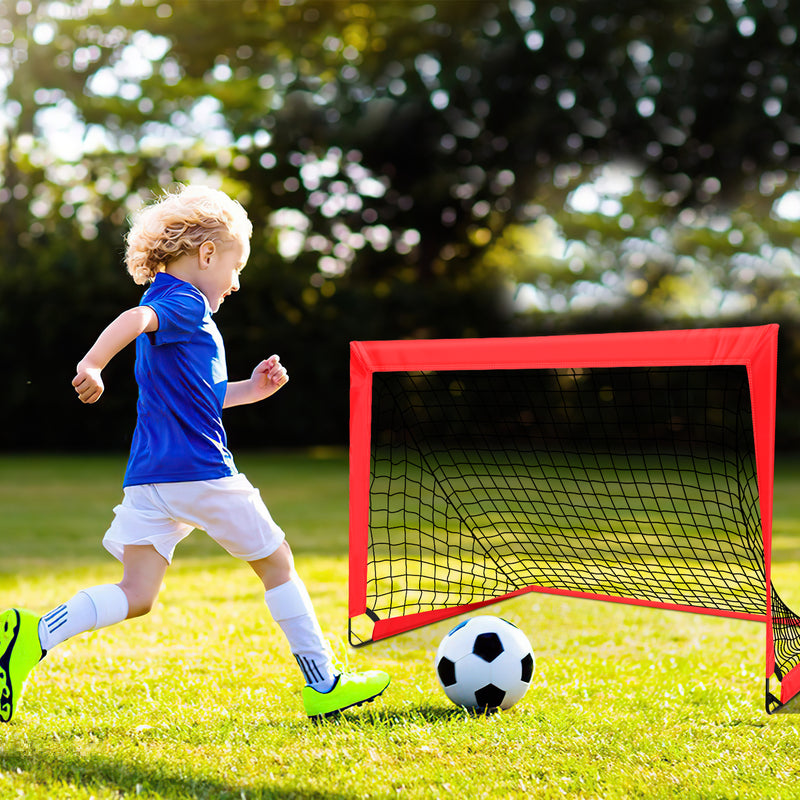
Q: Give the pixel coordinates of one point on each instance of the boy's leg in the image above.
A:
(288, 602)
(327, 690)
(88, 610)
(234, 515)
(108, 604)
(25, 638)
(143, 574)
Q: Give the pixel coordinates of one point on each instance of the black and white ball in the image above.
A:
(485, 663)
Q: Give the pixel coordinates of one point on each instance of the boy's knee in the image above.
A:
(139, 602)
(140, 608)
(277, 568)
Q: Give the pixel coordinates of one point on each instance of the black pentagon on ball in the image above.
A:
(527, 668)
(447, 671)
(490, 696)
(487, 646)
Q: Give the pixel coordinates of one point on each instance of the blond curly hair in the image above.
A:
(177, 224)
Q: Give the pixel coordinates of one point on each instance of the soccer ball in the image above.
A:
(485, 663)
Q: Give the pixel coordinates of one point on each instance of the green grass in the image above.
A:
(200, 699)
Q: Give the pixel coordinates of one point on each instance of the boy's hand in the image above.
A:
(88, 384)
(268, 377)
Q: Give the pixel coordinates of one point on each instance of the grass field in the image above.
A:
(200, 699)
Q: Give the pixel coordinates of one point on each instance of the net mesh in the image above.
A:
(636, 483)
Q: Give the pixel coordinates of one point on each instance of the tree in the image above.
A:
(390, 153)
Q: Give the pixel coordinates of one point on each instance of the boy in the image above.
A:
(191, 246)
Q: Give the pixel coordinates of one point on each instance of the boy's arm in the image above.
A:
(120, 333)
(266, 379)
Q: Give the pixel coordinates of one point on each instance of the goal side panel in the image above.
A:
(360, 427)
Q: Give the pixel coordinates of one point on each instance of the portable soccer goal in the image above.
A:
(635, 468)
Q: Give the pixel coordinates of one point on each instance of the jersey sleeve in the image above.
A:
(180, 314)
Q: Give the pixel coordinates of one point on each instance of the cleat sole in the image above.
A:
(20, 651)
(9, 631)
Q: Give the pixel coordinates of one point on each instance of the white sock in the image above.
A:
(292, 609)
(93, 608)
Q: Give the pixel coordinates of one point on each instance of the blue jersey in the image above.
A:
(182, 377)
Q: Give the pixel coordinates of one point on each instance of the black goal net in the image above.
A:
(636, 483)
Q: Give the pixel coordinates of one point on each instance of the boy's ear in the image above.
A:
(206, 253)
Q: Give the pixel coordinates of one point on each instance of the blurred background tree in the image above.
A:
(412, 169)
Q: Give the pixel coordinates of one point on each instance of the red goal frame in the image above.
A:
(753, 347)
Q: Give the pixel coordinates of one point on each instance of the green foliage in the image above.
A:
(387, 152)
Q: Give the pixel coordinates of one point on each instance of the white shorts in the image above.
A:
(230, 510)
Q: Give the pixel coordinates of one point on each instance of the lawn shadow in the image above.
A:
(386, 717)
(132, 778)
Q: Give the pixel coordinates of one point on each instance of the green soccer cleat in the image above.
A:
(350, 689)
(20, 652)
